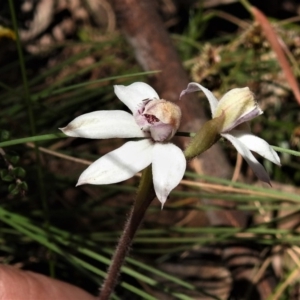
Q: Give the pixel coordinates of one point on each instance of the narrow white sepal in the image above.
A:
(133, 94)
(194, 87)
(120, 164)
(257, 145)
(168, 167)
(257, 168)
(104, 125)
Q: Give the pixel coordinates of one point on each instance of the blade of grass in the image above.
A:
(37, 138)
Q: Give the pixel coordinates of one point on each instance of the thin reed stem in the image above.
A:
(32, 124)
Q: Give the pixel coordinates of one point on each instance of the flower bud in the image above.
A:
(239, 106)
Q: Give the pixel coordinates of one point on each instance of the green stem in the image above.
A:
(23, 69)
(144, 197)
(205, 137)
(37, 138)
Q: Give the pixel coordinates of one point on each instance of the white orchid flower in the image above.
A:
(239, 106)
(156, 120)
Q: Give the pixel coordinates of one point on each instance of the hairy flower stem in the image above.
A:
(145, 195)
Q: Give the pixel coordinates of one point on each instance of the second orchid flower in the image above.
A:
(236, 107)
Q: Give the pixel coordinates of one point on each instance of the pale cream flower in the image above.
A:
(239, 106)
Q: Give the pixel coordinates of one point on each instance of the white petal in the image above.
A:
(257, 145)
(168, 167)
(194, 87)
(257, 168)
(119, 164)
(133, 94)
(104, 125)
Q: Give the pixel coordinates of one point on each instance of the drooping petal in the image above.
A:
(257, 145)
(194, 87)
(168, 166)
(257, 168)
(119, 164)
(239, 106)
(133, 94)
(104, 125)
